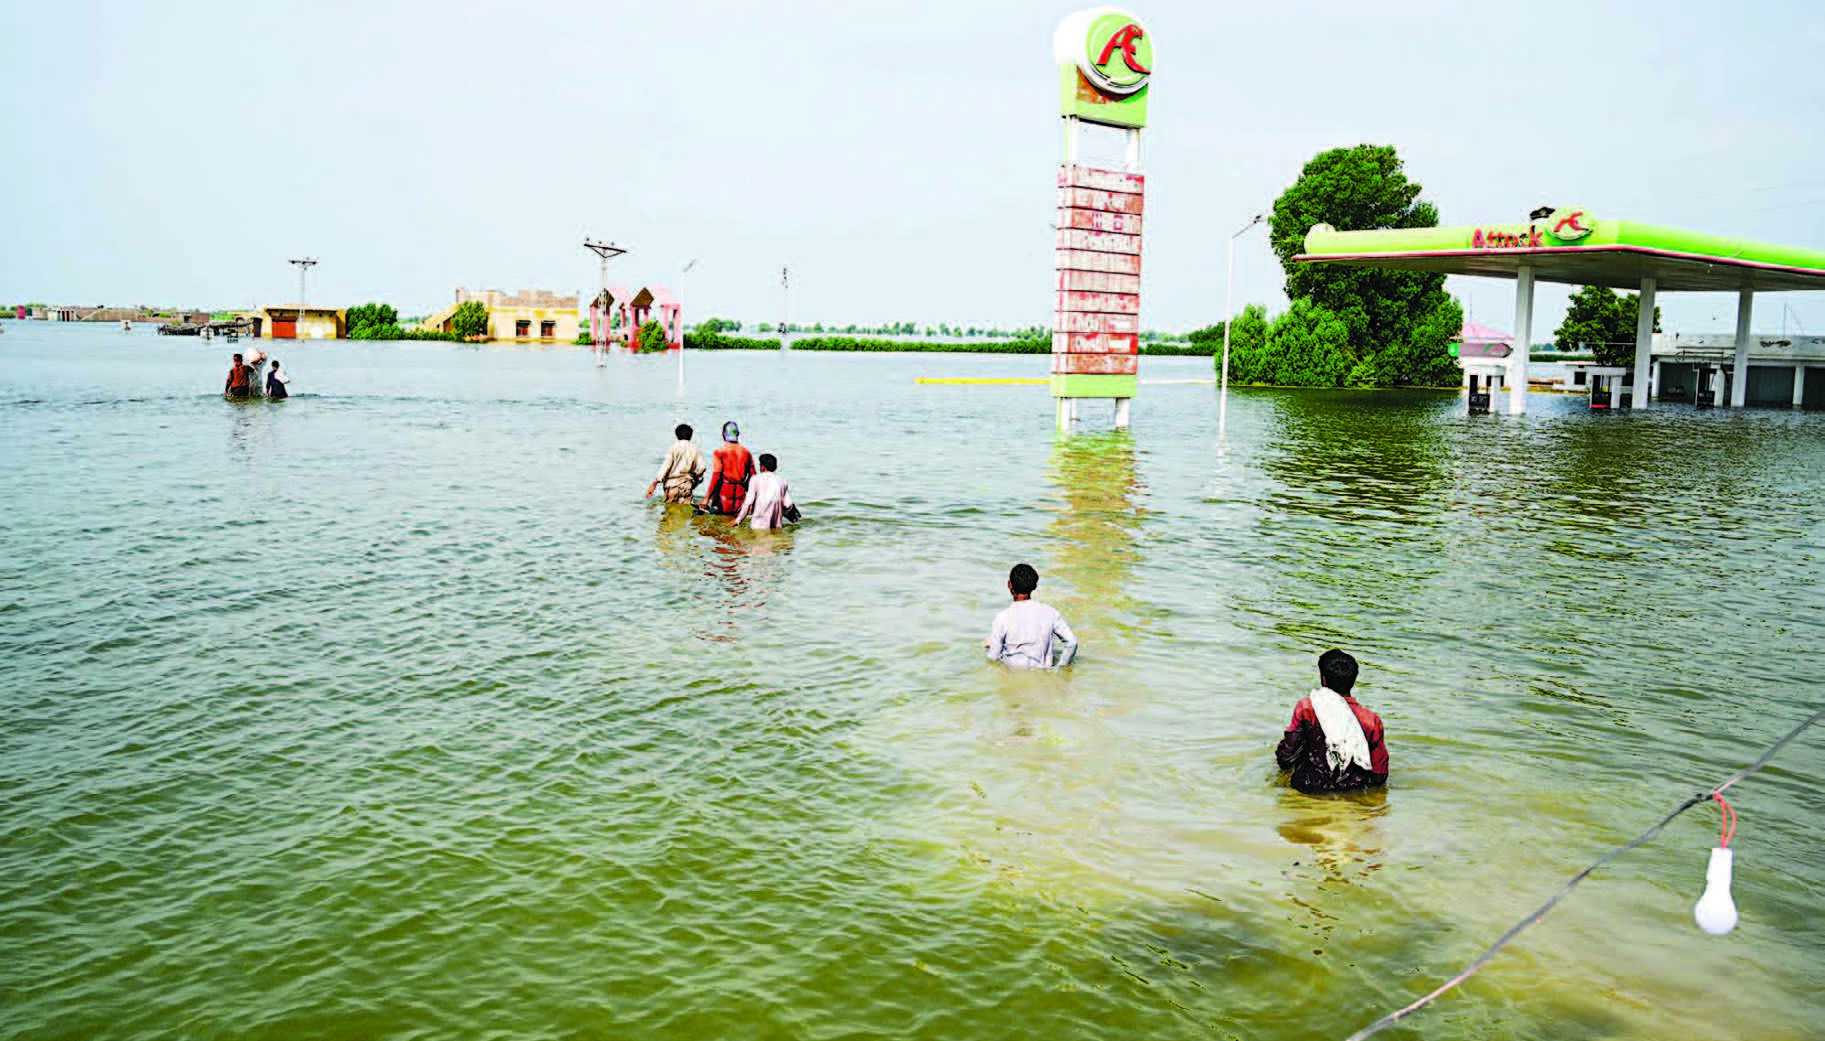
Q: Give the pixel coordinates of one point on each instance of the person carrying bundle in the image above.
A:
(1333, 743)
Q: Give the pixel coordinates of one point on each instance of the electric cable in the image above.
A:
(1483, 959)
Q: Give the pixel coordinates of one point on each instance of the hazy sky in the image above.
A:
(899, 156)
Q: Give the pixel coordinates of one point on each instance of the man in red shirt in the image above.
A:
(731, 467)
(240, 380)
(1333, 744)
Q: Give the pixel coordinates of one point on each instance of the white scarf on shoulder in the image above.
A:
(1344, 741)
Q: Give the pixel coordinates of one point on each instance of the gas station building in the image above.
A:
(1571, 246)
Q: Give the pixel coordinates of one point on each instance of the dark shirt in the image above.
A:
(1302, 750)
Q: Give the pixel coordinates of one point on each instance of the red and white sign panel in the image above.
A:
(1085, 260)
(1102, 180)
(1095, 364)
(1095, 343)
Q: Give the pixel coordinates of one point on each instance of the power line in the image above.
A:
(1540, 912)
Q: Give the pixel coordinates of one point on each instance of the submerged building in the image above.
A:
(299, 322)
(532, 315)
(1781, 370)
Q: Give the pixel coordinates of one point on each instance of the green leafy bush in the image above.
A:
(470, 320)
(651, 336)
(1248, 362)
(365, 317)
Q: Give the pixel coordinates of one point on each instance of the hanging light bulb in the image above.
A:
(1715, 912)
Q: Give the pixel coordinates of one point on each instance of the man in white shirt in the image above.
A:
(682, 469)
(1028, 634)
(768, 498)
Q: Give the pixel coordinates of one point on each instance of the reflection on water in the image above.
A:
(1095, 536)
(743, 567)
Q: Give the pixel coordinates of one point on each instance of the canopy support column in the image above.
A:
(1799, 385)
(1739, 375)
(1523, 339)
(1644, 343)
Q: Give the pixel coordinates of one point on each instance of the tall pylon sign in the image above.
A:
(1105, 68)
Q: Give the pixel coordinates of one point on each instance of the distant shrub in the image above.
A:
(470, 320)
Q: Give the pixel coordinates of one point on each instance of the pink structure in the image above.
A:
(639, 309)
(671, 315)
(1480, 341)
(617, 314)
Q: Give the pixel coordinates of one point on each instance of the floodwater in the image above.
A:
(392, 711)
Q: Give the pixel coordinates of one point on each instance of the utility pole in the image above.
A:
(605, 251)
(785, 304)
(304, 264)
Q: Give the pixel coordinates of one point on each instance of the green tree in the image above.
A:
(1248, 359)
(1422, 359)
(1308, 346)
(1603, 321)
(470, 320)
(1383, 311)
(718, 325)
(373, 321)
(652, 336)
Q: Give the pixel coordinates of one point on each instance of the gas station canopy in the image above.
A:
(1572, 247)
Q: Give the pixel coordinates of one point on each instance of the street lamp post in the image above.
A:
(303, 264)
(681, 299)
(1229, 309)
(785, 304)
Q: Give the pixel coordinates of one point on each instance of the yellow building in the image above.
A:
(530, 315)
(300, 323)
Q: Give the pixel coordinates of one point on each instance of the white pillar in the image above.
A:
(1523, 338)
(1064, 413)
(1739, 387)
(1644, 343)
(1121, 413)
(1799, 385)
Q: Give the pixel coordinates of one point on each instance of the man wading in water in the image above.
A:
(1028, 634)
(682, 469)
(730, 469)
(1333, 744)
(240, 380)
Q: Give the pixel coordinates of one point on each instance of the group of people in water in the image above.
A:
(245, 379)
(742, 485)
(1333, 743)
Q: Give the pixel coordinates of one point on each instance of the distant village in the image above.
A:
(531, 315)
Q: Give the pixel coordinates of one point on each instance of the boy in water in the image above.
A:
(768, 498)
(1028, 634)
(1333, 744)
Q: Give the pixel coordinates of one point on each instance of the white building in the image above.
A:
(1783, 371)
